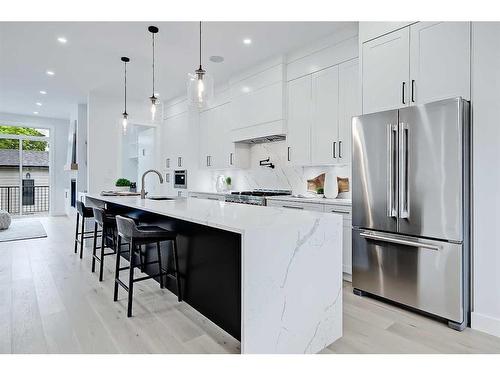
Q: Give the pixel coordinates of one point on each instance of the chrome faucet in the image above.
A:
(143, 192)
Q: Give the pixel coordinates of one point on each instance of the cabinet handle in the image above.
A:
(413, 91)
(340, 212)
(333, 149)
(167, 177)
(294, 207)
(288, 153)
(340, 149)
(168, 162)
(403, 93)
(207, 161)
(230, 158)
(179, 161)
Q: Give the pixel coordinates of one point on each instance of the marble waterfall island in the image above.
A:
(271, 277)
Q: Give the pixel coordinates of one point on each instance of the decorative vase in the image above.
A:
(331, 189)
(220, 185)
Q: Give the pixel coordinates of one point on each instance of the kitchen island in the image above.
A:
(271, 277)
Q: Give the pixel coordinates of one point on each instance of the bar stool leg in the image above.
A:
(117, 269)
(176, 264)
(131, 281)
(81, 237)
(94, 246)
(101, 263)
(76, 232)
(159, 264)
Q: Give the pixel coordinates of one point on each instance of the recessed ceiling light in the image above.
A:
(62, 40)
(247, 41)
(35, 113)
(50, 72)
(39, 104)
(216, 59)
(43, 92)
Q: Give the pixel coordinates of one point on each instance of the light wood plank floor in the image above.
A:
(50, 302)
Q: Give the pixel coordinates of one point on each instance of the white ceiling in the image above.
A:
(90, 60)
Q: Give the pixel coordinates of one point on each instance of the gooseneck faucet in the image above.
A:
(143, 192)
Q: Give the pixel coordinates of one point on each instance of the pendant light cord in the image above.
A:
(153, 64)
(200, 44)
(125, 87)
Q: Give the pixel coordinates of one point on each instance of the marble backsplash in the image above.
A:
(283, 176)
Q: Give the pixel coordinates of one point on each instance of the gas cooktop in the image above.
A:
(256, 197)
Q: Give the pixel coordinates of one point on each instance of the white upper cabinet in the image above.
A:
(217, 150)
(300, 112)
(320, 108)
(386, 68)
(348, 107)
(417, 64)
(176, 140)
(325, 126)
(440, 61)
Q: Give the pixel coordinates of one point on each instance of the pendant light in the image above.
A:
(125, 114)
(154, 100)
(200, 86)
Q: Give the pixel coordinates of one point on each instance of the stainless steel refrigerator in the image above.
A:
(410, 207)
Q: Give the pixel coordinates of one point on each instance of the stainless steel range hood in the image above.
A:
(265, 139)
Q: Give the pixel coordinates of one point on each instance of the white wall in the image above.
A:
(104, 137)
(486, 176)
(59, 141)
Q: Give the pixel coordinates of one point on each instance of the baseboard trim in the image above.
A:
(485, 324)
(347, 277)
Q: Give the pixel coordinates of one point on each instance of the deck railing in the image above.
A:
(35, 199)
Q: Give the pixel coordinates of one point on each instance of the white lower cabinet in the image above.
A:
(209, 196)
(346, 213)
(343, 210)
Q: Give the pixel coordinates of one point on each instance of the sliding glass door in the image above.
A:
(24, 170)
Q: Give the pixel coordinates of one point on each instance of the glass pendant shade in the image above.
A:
(124, 122)
(200, 89)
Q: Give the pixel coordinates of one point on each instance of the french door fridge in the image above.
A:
(410, 207)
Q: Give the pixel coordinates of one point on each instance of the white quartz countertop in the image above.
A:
(232, 217)
(289, 198)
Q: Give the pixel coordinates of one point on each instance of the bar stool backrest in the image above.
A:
(99, 215)
(126, 227)
(80, 207)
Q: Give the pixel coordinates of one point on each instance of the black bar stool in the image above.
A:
(107, 223)
(83, 212)
(138, 236)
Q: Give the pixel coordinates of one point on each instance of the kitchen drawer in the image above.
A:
(296, 205)
(345, 211)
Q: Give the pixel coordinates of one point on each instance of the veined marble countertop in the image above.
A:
(339, 201)
(291, 269)
(233, 217)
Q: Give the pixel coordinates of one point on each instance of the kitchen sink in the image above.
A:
(161, 198)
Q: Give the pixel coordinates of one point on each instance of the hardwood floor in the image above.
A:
(50, 302)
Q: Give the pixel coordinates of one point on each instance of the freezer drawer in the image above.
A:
(423, 274)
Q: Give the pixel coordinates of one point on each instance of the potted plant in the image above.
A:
(122, 184)
(228, 183)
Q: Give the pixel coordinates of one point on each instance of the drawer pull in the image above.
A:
(400, 241)
(294, 207)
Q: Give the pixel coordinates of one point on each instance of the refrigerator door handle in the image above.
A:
(404, 194)
(391, 181)
(400, 241)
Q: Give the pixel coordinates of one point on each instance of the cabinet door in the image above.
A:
(324, 131)
(218, 146)
(299, 120)
(439, 61)
(206, 121)
(349, 106)
(386, 71)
